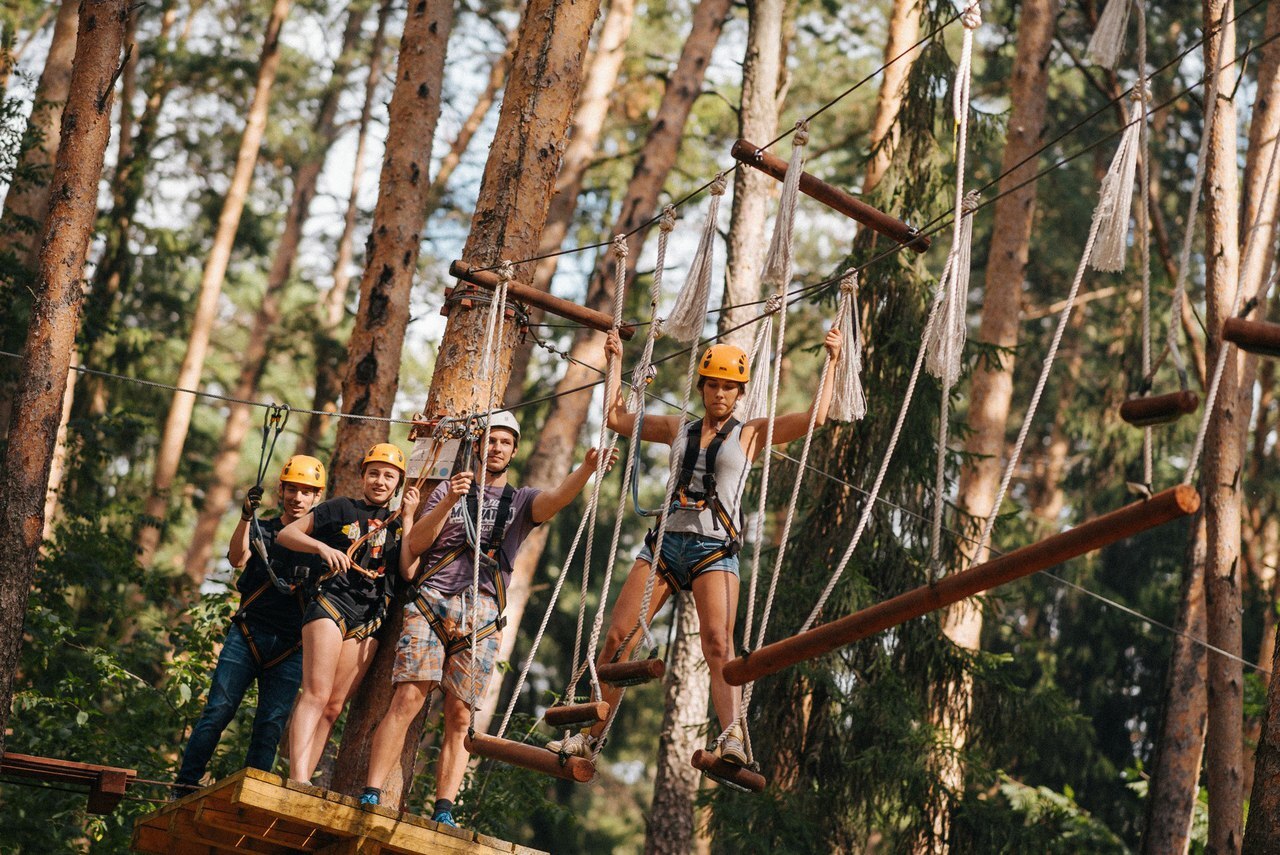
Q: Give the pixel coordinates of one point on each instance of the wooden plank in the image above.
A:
(489, 280)
(1161, 508)
(833, 197)
(225, 818)
(352, 846)
(183, 827)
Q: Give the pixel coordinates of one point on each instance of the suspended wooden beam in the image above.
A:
(107, 784)
(489, 279)
(577, 715)
(1257, 337)
(623, 674)
(833, 197)
(729, 774)
(1159, 409)
(1161, 508)
(533, 757)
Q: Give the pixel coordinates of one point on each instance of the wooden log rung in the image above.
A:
(623, 674)
(532, 757)
(1159, 409)
(489, 280)
(833, 197)
(729, 774)
(577, 715)
(1257, 337)
(1161, 508)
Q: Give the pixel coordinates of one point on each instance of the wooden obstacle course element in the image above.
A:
(623, 674)
(729, 774)
(568, 768)
(107, 784)
(1161, 508)
(489, 280)
(254, 812)
(1257, 337)
(1159, 409)
(833, 197)
(577, 715)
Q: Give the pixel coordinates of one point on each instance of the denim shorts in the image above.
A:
(682, 552)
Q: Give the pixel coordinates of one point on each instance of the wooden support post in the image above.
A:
(1257, 337)
(1159, 409)
(623, 674)
(489, 279)
(833, 197)
(1161, 508)
(577, 715)
(729, 774)
(538, 759)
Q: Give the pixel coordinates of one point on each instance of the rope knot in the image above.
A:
(970, 203)
(971, 17)
(773, 305)
(718, 184)
(1138, 94)
(849, 283)
(802, 133)
(667, 222)
(506, 270)
(620, 248)
(655, 328)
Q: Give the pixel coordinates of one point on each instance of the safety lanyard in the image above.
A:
(273, 422)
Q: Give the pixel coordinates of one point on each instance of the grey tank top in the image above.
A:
(732, 467)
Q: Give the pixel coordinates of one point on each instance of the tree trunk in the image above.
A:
(1175, 770)
(178, 421)
(1223, 453)
(51, 335)
(329, 353)
(558, 433)
(515, 191)
(58, 460)
(992, 386)
(26, 203)
(584, 137)
(753, 191)
(904, 31)
(1262, 835)
(672, 825)
(257, 351)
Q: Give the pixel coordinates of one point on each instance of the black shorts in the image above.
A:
(356, 617)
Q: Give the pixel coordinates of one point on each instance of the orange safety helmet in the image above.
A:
(726, 362)
(304, 470)
(384, 452)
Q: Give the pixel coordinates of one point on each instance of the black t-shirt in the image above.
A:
(341, 522)
(280, 612)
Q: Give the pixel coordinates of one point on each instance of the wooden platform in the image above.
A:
(254, 812)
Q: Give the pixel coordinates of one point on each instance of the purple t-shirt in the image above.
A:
(456, 576)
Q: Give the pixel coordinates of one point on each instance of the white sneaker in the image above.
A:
(578, 745)
(731, 748)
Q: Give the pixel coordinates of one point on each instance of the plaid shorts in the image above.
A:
(420, 653)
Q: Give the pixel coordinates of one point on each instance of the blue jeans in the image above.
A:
(237, 669)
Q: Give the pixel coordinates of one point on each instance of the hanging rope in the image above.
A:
(1115, 200)
(1141, 97)
(848, 402)
(756, 403)
(690, 311)
(1108, 39)
(777, 263)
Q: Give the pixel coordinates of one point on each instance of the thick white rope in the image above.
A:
(848, 401)
(756, 403)
(687, 317)
(1144, 230)
(1108, 39)
(778, 261)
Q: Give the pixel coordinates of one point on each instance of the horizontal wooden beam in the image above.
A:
(577, 715)
(729, 774)
(1257, 337)
(1125, 522)
(833, 197)
(489, 280)
(107, 784)
(631, 673)
(1159, 409)
(533, 757)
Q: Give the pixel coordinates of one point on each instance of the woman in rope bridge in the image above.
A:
(346, 608)
(703, 533)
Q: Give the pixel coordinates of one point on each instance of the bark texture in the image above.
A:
(1262, 836)
(46, 355)
(904, 31)
(753, 191)
(218, 494)
(515, 191)
(1223, 452)
(558, 433)
(178, 421)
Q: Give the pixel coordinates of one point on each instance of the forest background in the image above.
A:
(1041, 734)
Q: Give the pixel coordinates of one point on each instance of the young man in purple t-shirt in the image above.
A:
(435, 645)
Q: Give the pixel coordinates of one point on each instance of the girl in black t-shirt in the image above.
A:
(347, 608)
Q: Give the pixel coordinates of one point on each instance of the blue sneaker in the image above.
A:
(444, 817)
(368, 799)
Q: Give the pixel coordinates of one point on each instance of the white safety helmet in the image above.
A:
(504, 419)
